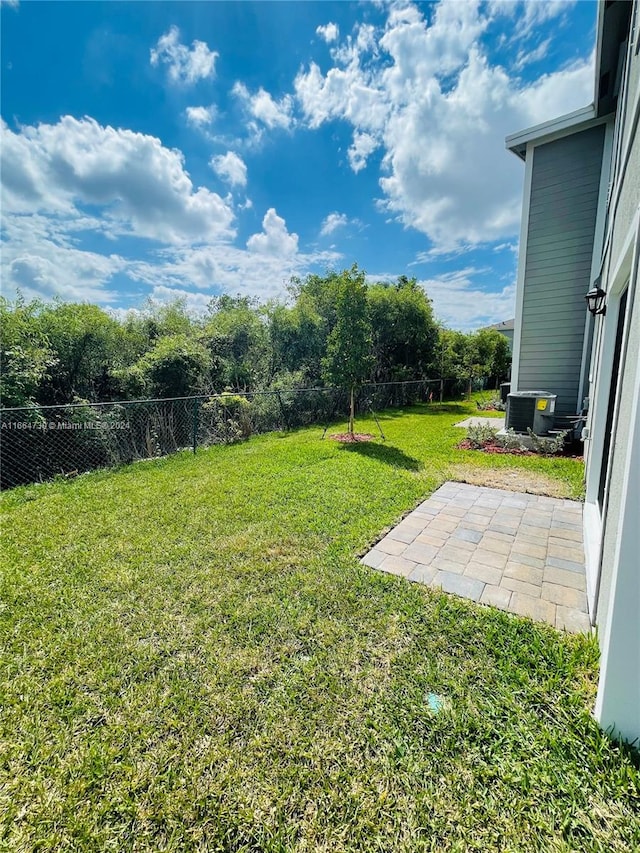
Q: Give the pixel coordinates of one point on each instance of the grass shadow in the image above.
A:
(444, 408)
(461, 409)
(385, 453)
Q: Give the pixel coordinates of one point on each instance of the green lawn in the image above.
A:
(193, 659)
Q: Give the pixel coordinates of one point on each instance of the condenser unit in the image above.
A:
(534, 410)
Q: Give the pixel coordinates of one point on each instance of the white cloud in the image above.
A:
(345, 93)
(329, 32)
(461, 303)
(529, 16)
(133, 186)
(208, 270)
(274, 239)
(336, 220)
(264, 108)
(195, 303)
(141, 187)
(270, 112)
(41, 268)
(38, 258)
(527, 56)
(539, 11)
(363, 145)
(200, 117)
(231, 168)
(332, 222)
(184, 65)
(440, 110)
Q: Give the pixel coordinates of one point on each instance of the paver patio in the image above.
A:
(519, 552)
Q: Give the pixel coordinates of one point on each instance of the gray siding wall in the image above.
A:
(562, 216)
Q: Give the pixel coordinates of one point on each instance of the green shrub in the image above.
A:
(494, 404)
(480, 434)
(545, 445)
(226, 419)
(512, 441)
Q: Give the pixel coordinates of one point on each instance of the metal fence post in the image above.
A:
(196, 406)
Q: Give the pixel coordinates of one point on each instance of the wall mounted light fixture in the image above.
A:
(596, 299)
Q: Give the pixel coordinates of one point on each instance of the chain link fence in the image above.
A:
(39, 443)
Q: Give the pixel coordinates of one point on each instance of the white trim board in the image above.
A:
(556, 128)
(592, 537)
(522, 265)
(618, 701)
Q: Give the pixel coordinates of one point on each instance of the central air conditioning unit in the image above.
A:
(534, 410)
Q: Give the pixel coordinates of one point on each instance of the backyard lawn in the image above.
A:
(193, 659)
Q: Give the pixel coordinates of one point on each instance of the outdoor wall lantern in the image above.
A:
(596, 299)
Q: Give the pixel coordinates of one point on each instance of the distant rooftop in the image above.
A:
(503, 326)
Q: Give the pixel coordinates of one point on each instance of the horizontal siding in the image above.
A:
(574, 244)
(563, 230)
(576, 208)
(581, 190)
(571, 171)
(559, 260)
(564, 270)
(580, 185)
(550, 337)
(566, 312)
(563, 157)
(562, 214)
(550, 161)
(578, 179)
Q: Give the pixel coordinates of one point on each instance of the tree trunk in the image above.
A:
(351, 411)
(441, 390)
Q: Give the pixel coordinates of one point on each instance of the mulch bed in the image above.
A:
(348, 438)
(492, 447)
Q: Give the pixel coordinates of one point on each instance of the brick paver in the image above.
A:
(519, 552)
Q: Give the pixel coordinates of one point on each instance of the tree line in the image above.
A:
(334, 329)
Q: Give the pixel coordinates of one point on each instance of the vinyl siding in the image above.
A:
(562, 215)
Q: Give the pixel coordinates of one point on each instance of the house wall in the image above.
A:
(619, 265)
(618, 601)
(563, 204)
(508, 333)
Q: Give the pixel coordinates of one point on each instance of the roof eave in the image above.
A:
(559, 126)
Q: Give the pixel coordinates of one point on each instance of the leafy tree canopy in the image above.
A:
(334, 328)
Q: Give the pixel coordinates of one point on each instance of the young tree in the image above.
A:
(349, 358)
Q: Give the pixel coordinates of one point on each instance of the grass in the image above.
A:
(194, 660)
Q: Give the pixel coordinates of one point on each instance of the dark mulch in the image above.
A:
(350, 438)
(491, 447)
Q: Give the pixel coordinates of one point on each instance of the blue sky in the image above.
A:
(188, 149)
